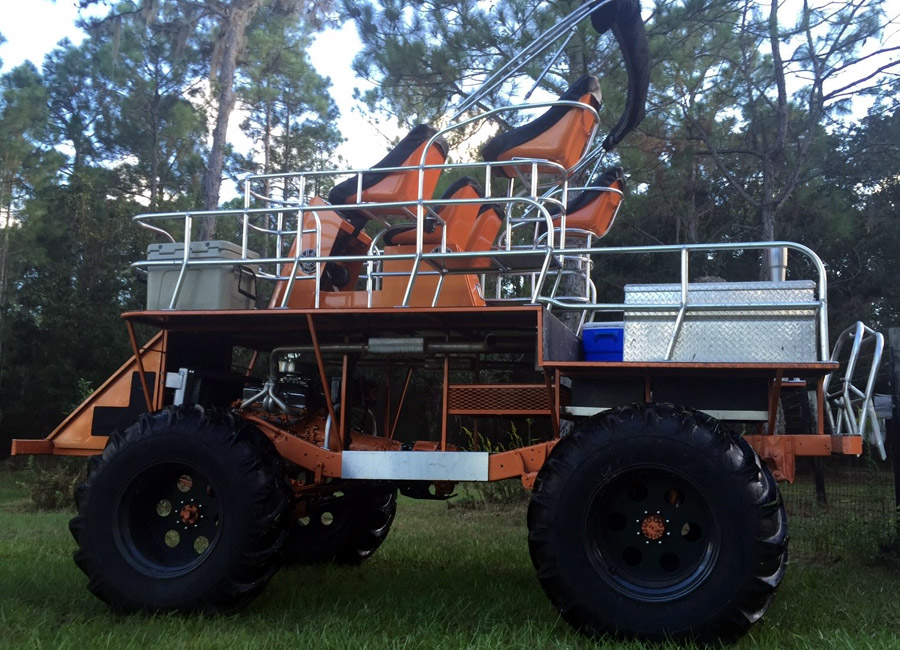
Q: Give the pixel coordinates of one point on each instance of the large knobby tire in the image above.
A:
(185, 510)
(655, 522)
(347, 530)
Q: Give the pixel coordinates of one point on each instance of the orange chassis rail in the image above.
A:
(515, 327)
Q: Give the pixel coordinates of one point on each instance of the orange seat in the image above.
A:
(338, 238)
(393, 186)
(459, 217)
(560, 135)
(593, 210)
(470, 226)
(481, 238)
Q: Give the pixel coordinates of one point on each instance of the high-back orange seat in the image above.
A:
(560, 135)
(393, 186)
(482, 237)
(470, 226)
(593, 210)
(459, 217)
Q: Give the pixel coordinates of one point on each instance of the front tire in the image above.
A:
(184, 511)
(654, 522)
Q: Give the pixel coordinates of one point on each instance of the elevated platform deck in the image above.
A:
(510, 328)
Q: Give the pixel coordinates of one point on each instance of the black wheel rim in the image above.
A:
(326, 520)
(652, 534)
(168, 519)
(331, 519)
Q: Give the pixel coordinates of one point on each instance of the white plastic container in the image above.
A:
(213, 287)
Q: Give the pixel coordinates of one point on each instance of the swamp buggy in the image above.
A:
(260, 423)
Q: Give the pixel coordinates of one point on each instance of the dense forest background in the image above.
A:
(766, 120)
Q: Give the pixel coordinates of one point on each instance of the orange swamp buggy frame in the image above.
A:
(278, 410)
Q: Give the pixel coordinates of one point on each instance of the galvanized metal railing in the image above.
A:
(850, 403)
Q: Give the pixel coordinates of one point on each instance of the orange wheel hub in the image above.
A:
(653, 527)
(189, 514)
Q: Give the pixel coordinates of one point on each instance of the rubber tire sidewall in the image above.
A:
(226, 578)
(710, 461)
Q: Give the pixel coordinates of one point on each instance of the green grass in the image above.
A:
(445, 578)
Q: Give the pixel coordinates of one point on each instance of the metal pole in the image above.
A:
(776, 261)
(893, 429)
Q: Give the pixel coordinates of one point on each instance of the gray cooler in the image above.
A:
(204, 287)
(772, 335)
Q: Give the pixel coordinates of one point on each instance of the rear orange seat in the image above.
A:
(560, 135)
(593, 210)
(393, 186)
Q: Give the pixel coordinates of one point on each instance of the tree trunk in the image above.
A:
(4, 257)
(234, 25)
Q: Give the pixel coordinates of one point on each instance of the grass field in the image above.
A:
(447, 577)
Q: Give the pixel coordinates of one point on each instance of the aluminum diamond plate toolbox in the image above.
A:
(775, 334)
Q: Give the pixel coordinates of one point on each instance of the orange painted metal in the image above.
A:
(73, 436)
(323, 376)
(780, 451)
(32, 447)
(477, 378)
(345, 407)
(847, 445)
(400, 405)
(387, 398)
(820, 406)
(551, 381)
(142, 374)
(252, 364)
(245, 322)
(774, 399)
(445, 402)
(524, 463)
(499, 399)
(305, 454)
(539, 344)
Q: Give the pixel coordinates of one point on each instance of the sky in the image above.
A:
(34, 27)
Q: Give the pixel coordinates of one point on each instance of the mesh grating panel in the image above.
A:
(498, 400)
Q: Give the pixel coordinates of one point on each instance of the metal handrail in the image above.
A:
(819, 306)
(851, 409)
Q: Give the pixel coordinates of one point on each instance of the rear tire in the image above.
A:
(654, 522)
(347, 531)
(184, 511)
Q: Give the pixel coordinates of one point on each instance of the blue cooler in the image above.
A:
(603, 341)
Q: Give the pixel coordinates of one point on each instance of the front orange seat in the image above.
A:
(459, 217)
(470, 226)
